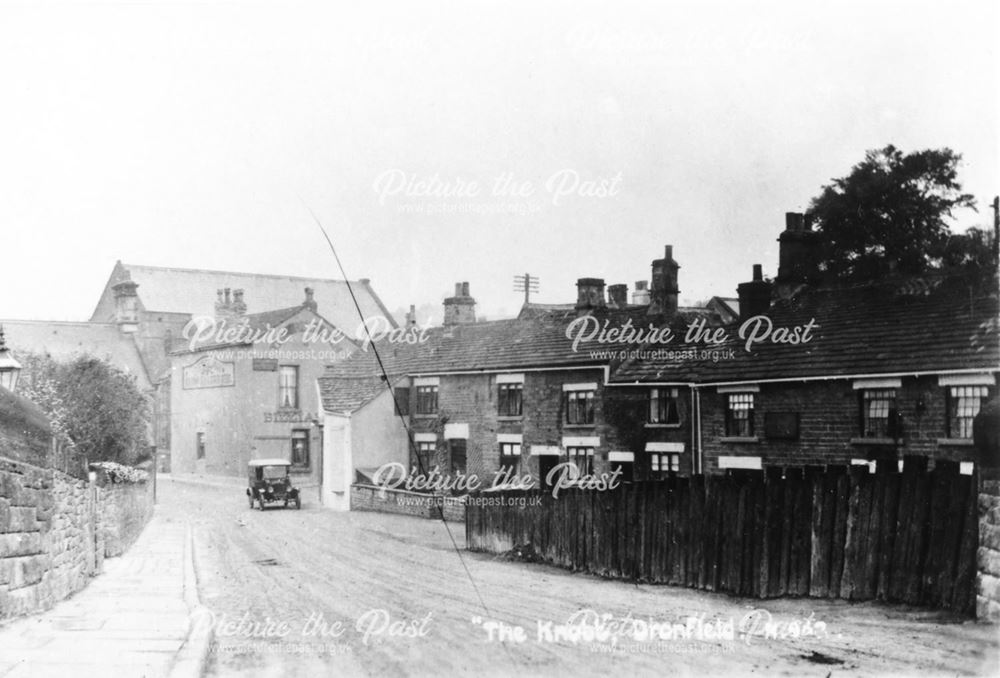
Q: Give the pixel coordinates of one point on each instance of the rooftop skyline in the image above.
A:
(460, 142)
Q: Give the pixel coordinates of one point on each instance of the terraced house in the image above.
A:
(805, 374)
(517, 395)
(892, 368)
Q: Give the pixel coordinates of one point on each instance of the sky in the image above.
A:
(444, 142)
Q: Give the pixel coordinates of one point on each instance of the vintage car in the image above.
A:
(269, 483)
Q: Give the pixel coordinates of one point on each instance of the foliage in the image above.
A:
(38, 383)
(96, 405)
(891, 213)
(119, 473)
(972, 250)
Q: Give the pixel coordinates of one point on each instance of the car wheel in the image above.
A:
(298, 502)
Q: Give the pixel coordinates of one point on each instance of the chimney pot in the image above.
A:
(640, 297)
(755, 296)
(465, 289)
(793, 221)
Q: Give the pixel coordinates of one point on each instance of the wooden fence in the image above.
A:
(902, 537)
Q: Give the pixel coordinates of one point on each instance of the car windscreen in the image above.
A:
(271, 472)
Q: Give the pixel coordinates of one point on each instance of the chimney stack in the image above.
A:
(310, 302)
(663, 295)
(618, 295)
(640, 297)
(589, 295)
(126, 305)
(411, 316)
(755, 296)
(461, 308)
(798, 255)
(239, 306)
(229, 303)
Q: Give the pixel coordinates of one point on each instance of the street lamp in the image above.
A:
(9, 367)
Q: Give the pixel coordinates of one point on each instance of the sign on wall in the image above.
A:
(265, 364)
(208, 372)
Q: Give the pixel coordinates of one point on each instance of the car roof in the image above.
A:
(270, 462)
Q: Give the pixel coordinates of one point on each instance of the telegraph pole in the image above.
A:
(996, 230)
(526, 283)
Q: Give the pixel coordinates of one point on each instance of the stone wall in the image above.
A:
(48, 543)
(988, 557)
(56, 530)
(372, 498)
(124, 510)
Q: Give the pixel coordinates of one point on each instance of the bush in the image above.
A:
(119, 473)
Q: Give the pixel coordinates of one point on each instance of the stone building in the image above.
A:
(248, 395)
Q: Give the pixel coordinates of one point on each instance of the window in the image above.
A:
(288, 386)
(402, 396)
(663, 406)
(427, 399)
(300, 447)
(509, 399)
(510, 455)
(625, 472)
(425, 461)
(963, 406)
(457, 448)
(199, 445)
(583, 457)
(580, 407)
(739, 415)
(878, 413)
(662, 464)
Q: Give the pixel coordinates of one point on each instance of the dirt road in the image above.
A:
(314, 592)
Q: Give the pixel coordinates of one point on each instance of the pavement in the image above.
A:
(140, 617)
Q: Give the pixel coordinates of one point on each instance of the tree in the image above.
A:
(972, 250)
(98, 406)
(890, 214)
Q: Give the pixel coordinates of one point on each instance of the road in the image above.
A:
(315, 592)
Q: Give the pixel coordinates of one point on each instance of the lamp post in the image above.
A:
(9, 367)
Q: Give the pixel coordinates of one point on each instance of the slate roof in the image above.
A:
(536, 341)
(931, 324)
(728, 307)
(263, 322)
(67, 340)
(193, 291)
(349, 394)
